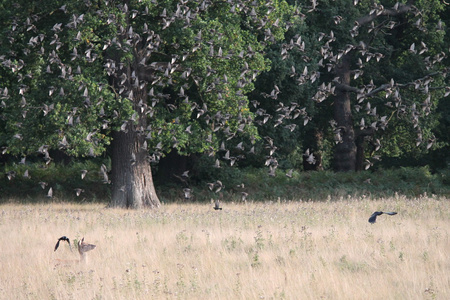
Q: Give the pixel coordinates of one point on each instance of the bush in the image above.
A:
(317, 186)
(63, 179)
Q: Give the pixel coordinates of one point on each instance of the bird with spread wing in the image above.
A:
(373, 217)
(63, 238)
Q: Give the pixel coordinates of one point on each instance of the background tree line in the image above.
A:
(139, 87)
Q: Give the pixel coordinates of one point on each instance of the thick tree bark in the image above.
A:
(349, 153)
(132, 181)
(345, 151)
(131, 178)
(360, 145)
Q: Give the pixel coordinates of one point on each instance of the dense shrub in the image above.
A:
(256, 182)
(62, 178)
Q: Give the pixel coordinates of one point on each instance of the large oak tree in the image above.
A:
(141, 77)
(376, 71)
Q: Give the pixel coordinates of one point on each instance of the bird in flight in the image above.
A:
(374, 216)
(63, 238)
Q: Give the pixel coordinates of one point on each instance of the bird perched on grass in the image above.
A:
(374, 216)
(187, 193)
(63, 238)
(217, 205)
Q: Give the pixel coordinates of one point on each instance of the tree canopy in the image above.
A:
(338, 83)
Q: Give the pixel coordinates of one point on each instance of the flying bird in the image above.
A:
(374, 216)
(50, 193)
(63, 238)
(78, 191)
(289, 173)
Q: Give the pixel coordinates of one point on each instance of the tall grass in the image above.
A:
(270, 250)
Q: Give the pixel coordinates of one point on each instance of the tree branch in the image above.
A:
(385, 86)
(401, 9)
(346, 87)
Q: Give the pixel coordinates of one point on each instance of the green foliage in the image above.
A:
(59, 90)
(62, 178)
(70, 72)
(411, 112)
(45, 105)
(316, 186)
(305, 186)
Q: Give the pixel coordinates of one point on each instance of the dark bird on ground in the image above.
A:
(217, 205)
(63, 238)
(374, 216)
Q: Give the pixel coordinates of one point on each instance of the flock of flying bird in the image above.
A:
(155, 75)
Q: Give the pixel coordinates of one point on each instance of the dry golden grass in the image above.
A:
(296, 250)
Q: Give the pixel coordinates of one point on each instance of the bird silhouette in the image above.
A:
(374, 216)
(217, 205)
(63, 238)
(187, 193)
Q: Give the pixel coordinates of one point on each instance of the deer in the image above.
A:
(83, 247)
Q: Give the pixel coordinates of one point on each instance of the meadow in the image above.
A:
(260, 250)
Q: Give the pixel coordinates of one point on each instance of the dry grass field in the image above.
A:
(284, 250)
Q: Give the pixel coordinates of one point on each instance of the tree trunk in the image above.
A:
(131, 178)
(345, 151)
(361, 145)
(360, 141)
